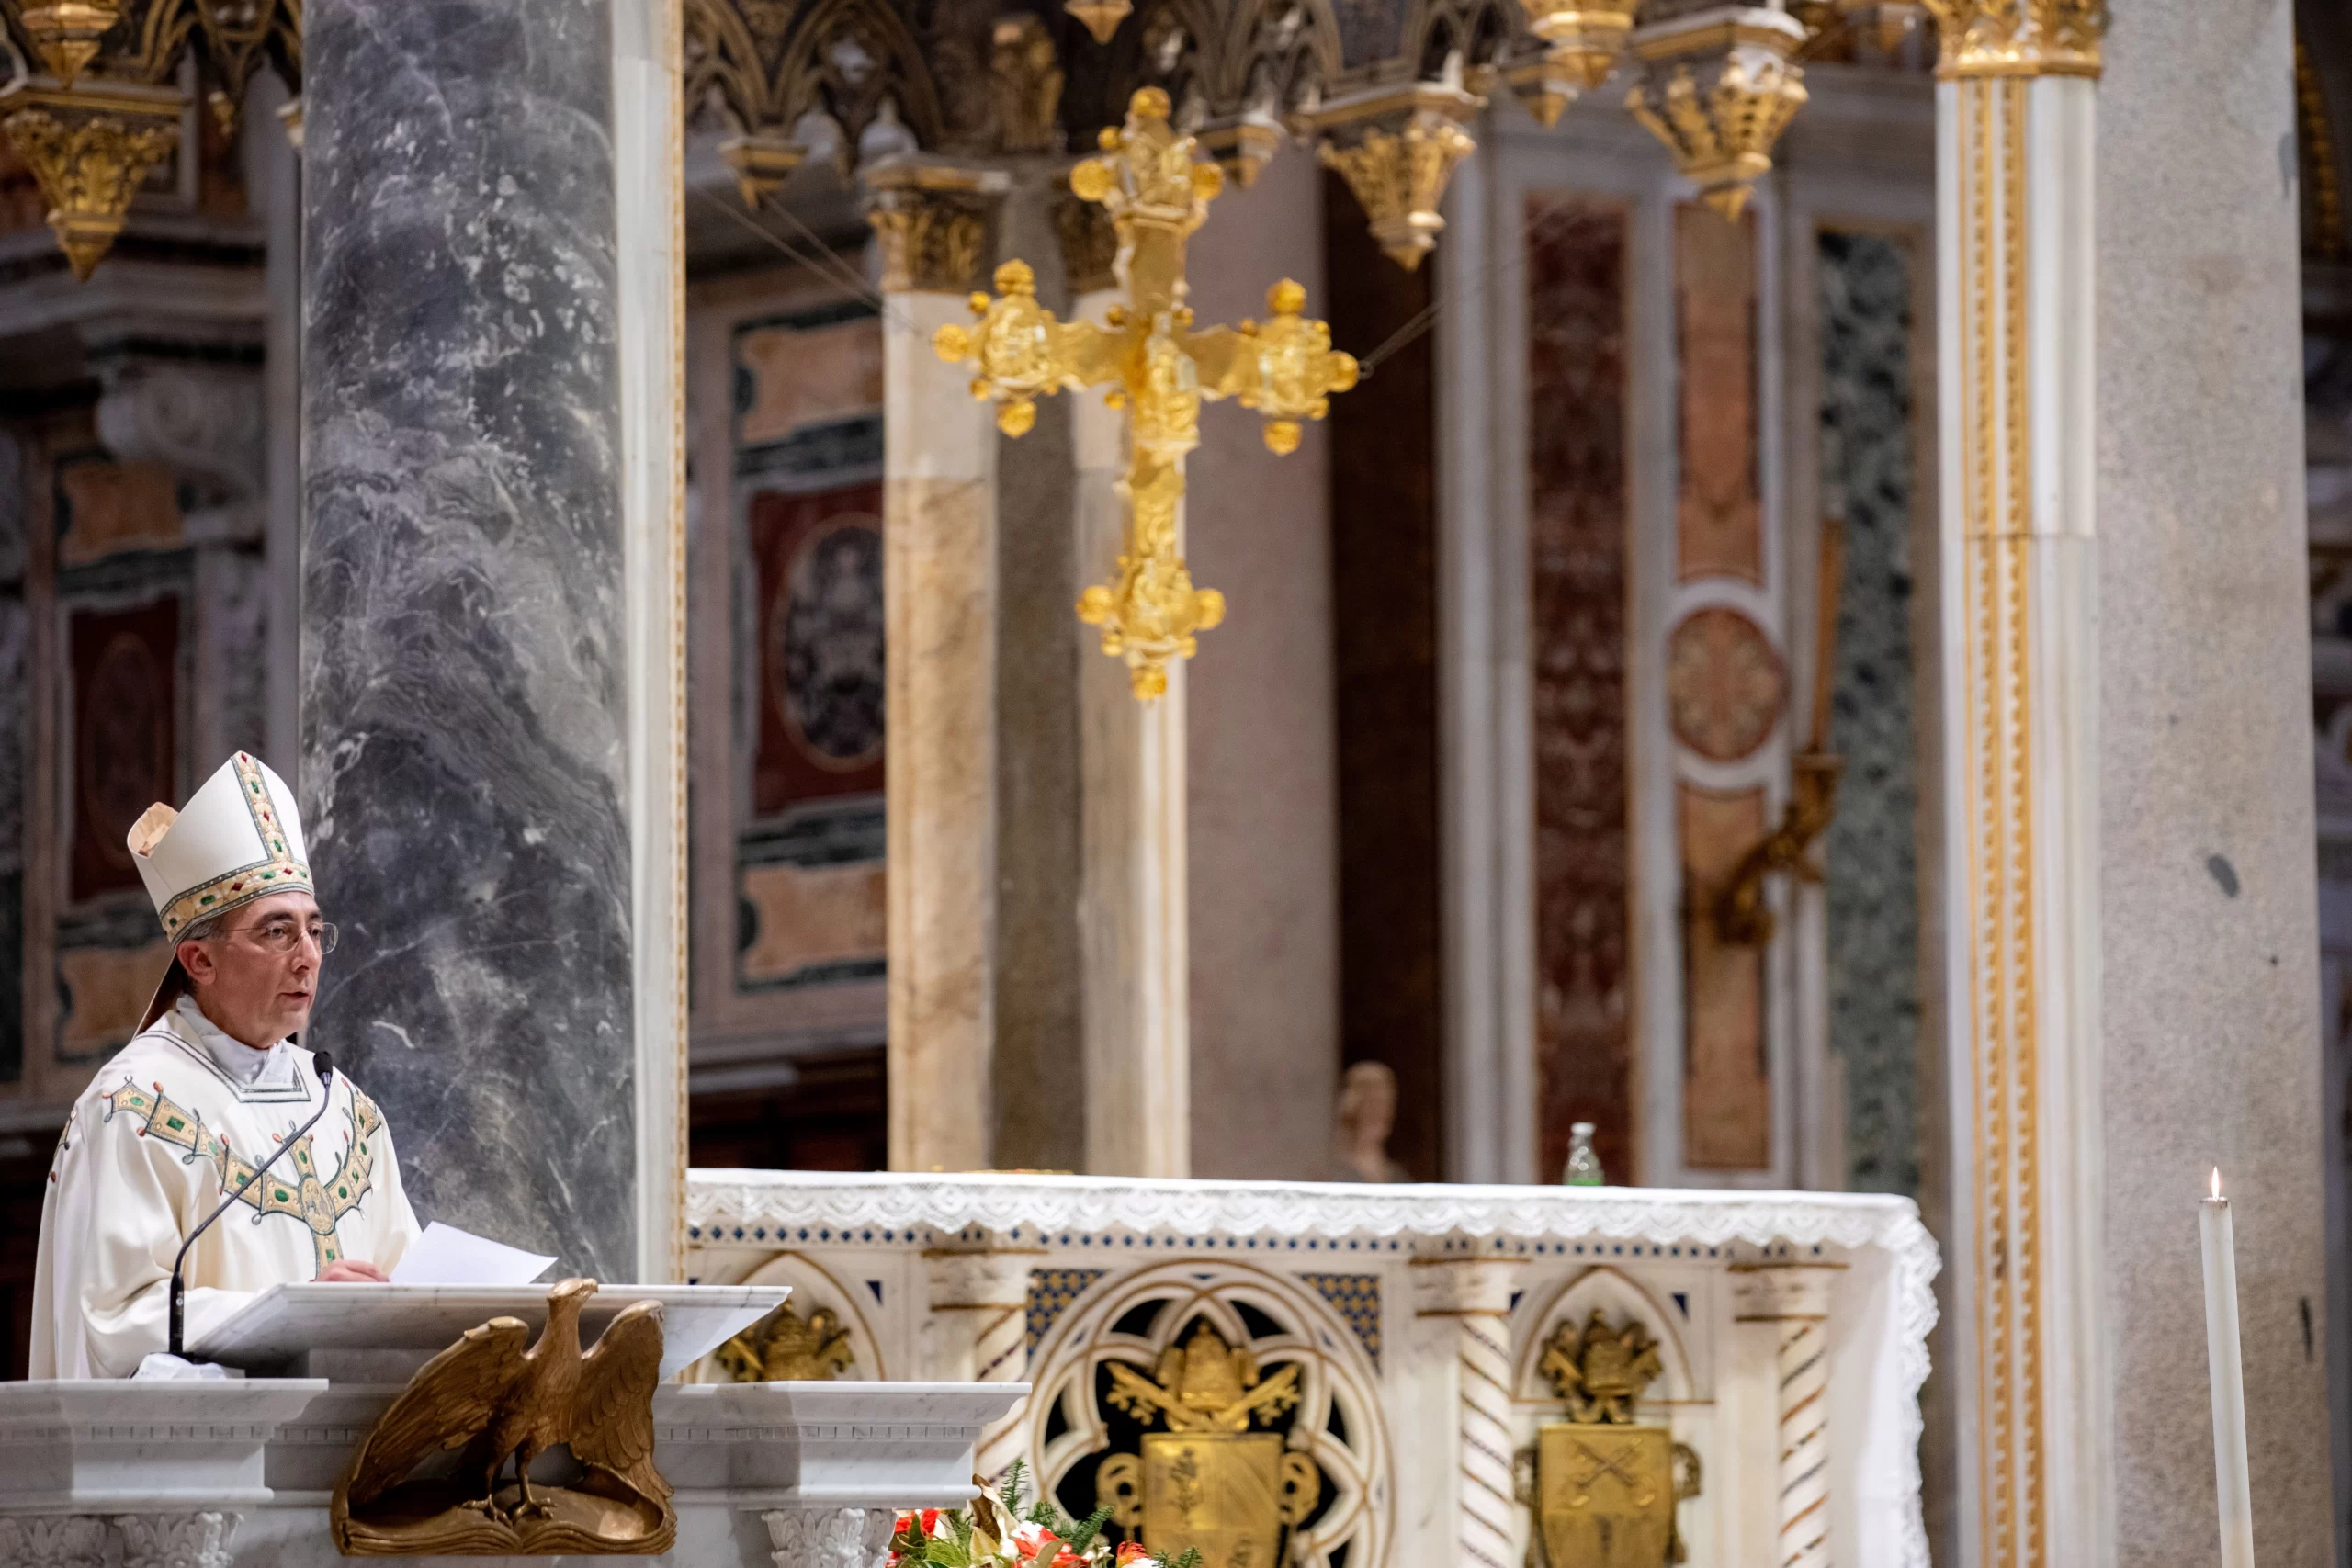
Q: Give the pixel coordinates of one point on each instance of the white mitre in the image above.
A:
(238, 839)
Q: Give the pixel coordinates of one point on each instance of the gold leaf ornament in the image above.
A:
(88, 169)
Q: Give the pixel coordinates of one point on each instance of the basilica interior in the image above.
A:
(1575, 737)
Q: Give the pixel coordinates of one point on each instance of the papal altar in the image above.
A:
(253, 1471)
(1381, 1376)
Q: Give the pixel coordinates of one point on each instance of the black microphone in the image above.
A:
(325, 1065)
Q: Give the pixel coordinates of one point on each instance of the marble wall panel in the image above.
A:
(1726, 1080)
(806, 708)
(1718, 516)
(124, 665)
(1577, 500)
(1869, 469)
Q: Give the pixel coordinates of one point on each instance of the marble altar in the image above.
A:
(99, 1474)
(1791, 1329)
(112, 1474)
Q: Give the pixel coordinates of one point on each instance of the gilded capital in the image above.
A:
(1717, 88)
(1397, 153)
(933, 223)
(2019, 38)
(90, 148)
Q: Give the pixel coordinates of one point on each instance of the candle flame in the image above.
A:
(2217, 1181)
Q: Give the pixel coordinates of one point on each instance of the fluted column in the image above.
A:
(939, 585)
(2015, 127)
(1789, 1304)
(1471, 1298)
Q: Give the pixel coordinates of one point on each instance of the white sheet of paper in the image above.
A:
(445, 1255)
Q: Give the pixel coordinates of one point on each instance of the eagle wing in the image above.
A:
(612, 1410)
(452, 1398)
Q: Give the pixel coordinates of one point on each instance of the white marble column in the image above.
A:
(2017, 341)
(1788, 1304)
(1133, 902)
(2132, 969)
(939, 591)
(979, 1332)
(1472, 1296)
(648, 174)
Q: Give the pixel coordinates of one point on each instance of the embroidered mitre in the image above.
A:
(238, 839)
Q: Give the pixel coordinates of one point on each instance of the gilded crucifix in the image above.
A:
(1158, 367)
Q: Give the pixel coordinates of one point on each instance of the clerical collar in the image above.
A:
(273, 1068)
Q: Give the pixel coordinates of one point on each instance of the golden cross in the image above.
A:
(1158, 368)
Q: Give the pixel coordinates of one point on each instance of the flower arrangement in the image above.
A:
(1004, 1531)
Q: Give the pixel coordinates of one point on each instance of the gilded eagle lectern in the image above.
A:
(496, 1399)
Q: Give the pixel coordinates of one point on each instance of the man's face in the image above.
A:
(257, 978)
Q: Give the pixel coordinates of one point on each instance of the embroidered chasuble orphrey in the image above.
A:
(167, 1130)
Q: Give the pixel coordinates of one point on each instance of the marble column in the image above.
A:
(1265, 928)
(1133, 902)
(2208, 952)
(464, 686)
(940, 595)
(649, 168)
(1471, 1298)
(1039, 1066)
(1787, 1305)
(2134, 970)
(978, 1331)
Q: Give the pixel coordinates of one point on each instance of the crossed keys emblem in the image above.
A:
(1640, 1491)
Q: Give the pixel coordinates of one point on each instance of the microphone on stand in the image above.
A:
(325, 1065)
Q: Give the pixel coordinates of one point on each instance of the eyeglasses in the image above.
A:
(282, 934)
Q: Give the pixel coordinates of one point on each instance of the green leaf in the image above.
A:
(1082, 1537)
(1190, 1559)
(1014, 1486)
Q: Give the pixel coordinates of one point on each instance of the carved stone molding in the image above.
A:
(828, 1537)
(61, 1540)
(205, 423)
(174, 1540)
(933, 223)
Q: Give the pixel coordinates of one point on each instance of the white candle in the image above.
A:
(2231, 1486)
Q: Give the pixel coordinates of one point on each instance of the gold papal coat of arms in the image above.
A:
(1208, 1481)
(1605, 1485)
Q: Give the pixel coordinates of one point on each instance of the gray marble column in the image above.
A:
(463, 660)
(2209, 954)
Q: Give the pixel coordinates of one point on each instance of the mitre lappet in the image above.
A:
(238, 839)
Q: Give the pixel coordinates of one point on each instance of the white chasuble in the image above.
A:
(165, 1131)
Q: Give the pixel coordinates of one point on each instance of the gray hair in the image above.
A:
(204, 929)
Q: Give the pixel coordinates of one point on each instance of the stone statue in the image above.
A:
(1367, 1115)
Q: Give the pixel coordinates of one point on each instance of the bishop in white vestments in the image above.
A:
(213, 1085)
